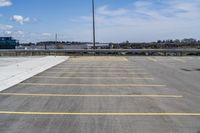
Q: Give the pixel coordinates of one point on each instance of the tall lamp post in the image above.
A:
(93, 14)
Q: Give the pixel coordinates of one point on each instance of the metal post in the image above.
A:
(56, 37)
(93, 14)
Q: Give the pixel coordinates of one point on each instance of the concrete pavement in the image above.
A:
(107, 94)
(15, 70)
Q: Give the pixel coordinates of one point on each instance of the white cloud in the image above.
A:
(7, 33)
(141, 20)
(25, 36)
(144, 20)
(104, 10)
(19, 32)
(5, 27)
(4, 3)
(46, 34)
(20, 19)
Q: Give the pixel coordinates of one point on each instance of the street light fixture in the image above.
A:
(93, 14)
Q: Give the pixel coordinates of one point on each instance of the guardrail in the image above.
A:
(164, 52)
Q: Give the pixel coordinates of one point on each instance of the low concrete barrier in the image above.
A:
(102, 51)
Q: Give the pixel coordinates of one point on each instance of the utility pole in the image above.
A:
(56, 37)
(93, 14)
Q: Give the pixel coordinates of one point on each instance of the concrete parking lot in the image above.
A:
(107, 95)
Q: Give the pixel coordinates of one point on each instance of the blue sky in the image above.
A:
(117, 20)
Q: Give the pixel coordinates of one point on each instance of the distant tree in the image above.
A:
(189, 41)
(169, 41)
(177, 41)
(60, 46)
(159, 41)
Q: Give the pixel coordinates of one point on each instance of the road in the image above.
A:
(107, 95)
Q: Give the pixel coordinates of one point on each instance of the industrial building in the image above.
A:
(62, 45)
(8, 43)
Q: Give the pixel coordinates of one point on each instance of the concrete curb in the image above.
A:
(14, 74)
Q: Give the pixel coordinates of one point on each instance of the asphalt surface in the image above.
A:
(107, 95)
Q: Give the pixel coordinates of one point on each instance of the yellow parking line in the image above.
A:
(95, 85)
(152, 59)
(112, 69)
(51, 77)
(97, 60)
(135, 59)
(98, 114)
(125, 59)
(179, 60)
(99, 73)
(97, 67)
(93, 62)
(87, 95)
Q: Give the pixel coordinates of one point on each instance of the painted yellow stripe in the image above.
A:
(90, 67)
(152, 59)
(51, 77)
(95, 85)
(179, 60)
(96, 69)
(77, 72)
(139, 59)
(88, 95)
(87, 60)
(124, 73)
(98, 60)
(125, 59)
(98, 114)
(98, 63)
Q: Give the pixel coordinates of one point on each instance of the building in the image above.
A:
(99, 46)
(8, 43)
(53, 45)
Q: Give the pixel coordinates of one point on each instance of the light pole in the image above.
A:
(93, 14)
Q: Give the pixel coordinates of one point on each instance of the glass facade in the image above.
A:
(8, 43)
